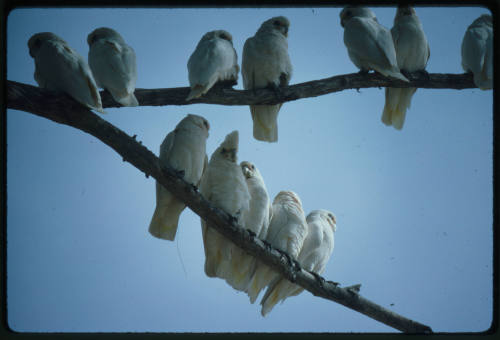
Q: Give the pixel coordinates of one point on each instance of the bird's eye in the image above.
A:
(37, 43)
(276, 23)
(206, 124)
(224, 150)
(253, 168)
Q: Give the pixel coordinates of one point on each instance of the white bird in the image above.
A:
(214, 60)
(412, 53)
(315, 253)
(184, 150)
(369, 44)
(256, 219)
(58, 67)
(266, 63)
(287, 232)
(477, 51)
(113, 64)
(223, 184)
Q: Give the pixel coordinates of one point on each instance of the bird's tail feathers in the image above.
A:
(165, 222)
(196, 92)
(128, 100)
(265, 124)
(397, 101)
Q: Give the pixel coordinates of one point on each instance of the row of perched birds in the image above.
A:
(265, 62)
(239, 190)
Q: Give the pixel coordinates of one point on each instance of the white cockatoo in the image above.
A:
(412, 53)
(477, 51)
(113, 64)
(369, 44)
(58, 67)
(287, 232)
(213, 60)
(315, 253)
(266, 63)
(223, 184)
(256, 219)
(184, 150)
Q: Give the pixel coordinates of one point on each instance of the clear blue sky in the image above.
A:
(414, 207)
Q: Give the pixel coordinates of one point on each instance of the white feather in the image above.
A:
(184, 150)
(287, 231)
(369, 44)
(412, 53)
(477, 51)
(314, 254)
(223, 184)
(256, 219)
(113, 64)
(60, 68)
(213, 60)
(265, 63)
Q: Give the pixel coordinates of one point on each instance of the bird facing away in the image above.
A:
(58, 67)
(412, 54)
(113, 64)
(477, 51)
(314, 255)
(287, 232)
(223, 184)
(256, 219)
(183, 149)
(266, 63)
(369, 44)
(214, 60)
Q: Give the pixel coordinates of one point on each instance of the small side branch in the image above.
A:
(64, 110)
(228, 96)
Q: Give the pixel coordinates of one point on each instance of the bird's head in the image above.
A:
(229, 147)
(404, 10)
(354, 11)
(280, 24)
(37, 40)
(103, 33)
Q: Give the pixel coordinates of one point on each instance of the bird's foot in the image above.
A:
(228, 83)
(319, 279)
(180, 173)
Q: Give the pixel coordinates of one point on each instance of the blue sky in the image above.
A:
(413, 207)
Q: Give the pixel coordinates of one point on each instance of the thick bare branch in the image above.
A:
(64, 110)
(228, 96)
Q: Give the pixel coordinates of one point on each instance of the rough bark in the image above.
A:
(228, 96)
(62, 109)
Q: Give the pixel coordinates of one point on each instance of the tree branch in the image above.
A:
(64, 110)
(228, 96)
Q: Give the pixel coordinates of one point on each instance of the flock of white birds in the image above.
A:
(239, 189)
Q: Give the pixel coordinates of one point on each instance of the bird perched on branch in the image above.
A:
(266, 63)
(58, 67)
(369, 44)
(314, 254)
(477, 51)
(255, 219)
(184, 150)
(214, 60)
(113, 64)
(223, 184)
(287, 232)
(412, 54)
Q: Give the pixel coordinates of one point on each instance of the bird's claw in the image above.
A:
(180, 173)
(318, 278)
